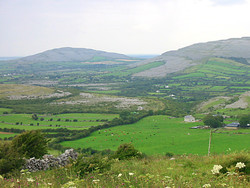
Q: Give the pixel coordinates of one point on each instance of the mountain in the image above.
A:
(68, 54)
(236, 48)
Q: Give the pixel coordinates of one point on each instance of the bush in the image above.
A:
(231, 163)
(127, 151)
(169, 154)
(31, 144)
(11, 161)
(94, 163)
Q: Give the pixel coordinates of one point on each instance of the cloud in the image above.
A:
(227, 2)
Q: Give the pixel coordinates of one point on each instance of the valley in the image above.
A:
(117, 110)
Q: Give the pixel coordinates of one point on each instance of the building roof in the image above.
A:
(234, 124)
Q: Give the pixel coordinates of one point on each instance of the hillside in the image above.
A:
(68, 54)
(236, 48)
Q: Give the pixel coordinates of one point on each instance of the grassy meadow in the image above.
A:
(159, 134)
(71, 121)
(184, 171)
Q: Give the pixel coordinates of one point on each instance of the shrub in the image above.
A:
(11, 161)
(169, 154)
(31, 144)
(127, 151)
(231, 163)
(94, 163)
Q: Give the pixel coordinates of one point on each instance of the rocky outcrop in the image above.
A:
(49, 161)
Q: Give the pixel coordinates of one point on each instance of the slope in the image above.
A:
(195, 54)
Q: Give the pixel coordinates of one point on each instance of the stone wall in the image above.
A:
(49, 161)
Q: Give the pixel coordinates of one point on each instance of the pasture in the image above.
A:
(71, 121)
(159, 134)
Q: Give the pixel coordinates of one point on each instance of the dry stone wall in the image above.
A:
(49, 161)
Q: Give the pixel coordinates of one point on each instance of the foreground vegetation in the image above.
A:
(182, 171)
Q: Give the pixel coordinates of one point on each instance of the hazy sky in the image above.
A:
(122, 26)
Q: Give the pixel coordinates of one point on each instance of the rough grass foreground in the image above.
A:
(183, 171)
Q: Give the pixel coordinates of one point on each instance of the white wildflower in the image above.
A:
(96, 181)
(206, 185)
(119, 175)
(231, 173)
(131, 173)
(49, 183)
(30, 180)
(240, 165)
(216, 169)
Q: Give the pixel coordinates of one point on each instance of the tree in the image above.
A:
(244, 120)
(213, 121)
(31, 144)
(34, 116)
(10, 160)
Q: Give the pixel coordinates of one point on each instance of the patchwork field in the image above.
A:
(160, 134)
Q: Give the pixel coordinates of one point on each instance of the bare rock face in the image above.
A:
(49, 161)
(196, 54)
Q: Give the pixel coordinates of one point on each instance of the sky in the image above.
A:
(122, 26)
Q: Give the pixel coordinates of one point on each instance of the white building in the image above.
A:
(189, 118)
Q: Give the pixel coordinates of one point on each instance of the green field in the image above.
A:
(159, 134)
(2, 110)
(25, 121)
(6, 135)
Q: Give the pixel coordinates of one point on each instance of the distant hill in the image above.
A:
(236, 48)
(68, 54)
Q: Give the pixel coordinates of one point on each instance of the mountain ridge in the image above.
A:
(69, 54)
(182, 58)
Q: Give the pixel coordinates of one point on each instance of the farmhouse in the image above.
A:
(233, 125)
(189, 118)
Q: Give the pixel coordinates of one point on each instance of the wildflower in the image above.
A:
(231, 173)
(49, 183)
(206, 185)
(30, 180)
(216, 169)
(131, 173)
(119, 175)
(240, 165)
(96, 181)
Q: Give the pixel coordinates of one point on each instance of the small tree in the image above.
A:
(10, 160)
(31, 144)
(213, 121)
(244, 120)
(34, 116)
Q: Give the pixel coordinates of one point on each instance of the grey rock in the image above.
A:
(49, 161)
